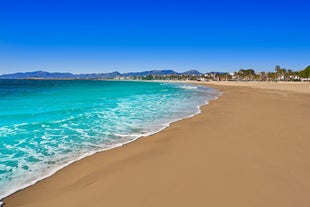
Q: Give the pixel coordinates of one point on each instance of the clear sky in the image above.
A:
(83, 36)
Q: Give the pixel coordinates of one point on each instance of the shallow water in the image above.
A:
(47, 124)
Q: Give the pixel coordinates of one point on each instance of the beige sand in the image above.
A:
(251, 147)
(300, 87)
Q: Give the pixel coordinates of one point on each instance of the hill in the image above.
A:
(47, 75)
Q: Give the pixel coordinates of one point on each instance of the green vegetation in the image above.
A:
(305, 73)
(280, 74)
(247, 74)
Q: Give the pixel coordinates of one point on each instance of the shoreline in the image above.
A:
(134, 150)
(56, 169)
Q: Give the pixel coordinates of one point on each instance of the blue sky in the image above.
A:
(103, 36)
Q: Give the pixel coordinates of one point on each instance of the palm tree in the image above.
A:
(278, 71)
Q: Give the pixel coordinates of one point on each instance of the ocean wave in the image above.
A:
(189, 87)
(103, 124)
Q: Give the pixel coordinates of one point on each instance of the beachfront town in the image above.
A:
(280, 74)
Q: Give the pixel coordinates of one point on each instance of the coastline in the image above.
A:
(159, 158)
(54, 169)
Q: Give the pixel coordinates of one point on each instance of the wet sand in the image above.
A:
(250, 147)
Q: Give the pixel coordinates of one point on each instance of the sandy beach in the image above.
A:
(250, 147)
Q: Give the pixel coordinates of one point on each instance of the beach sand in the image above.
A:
(250, 147)
(299, 87)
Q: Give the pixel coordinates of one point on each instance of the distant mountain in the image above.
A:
(151, 72)
(48, 75)
(191, 72)
(36, 74)
(98, 75)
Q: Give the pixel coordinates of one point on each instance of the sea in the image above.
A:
(47, 124)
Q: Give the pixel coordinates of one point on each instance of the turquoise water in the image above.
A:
(45, 125)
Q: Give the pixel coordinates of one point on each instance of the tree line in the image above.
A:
(280, 74)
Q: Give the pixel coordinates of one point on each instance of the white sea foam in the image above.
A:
(189, 87)
(120, 132)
